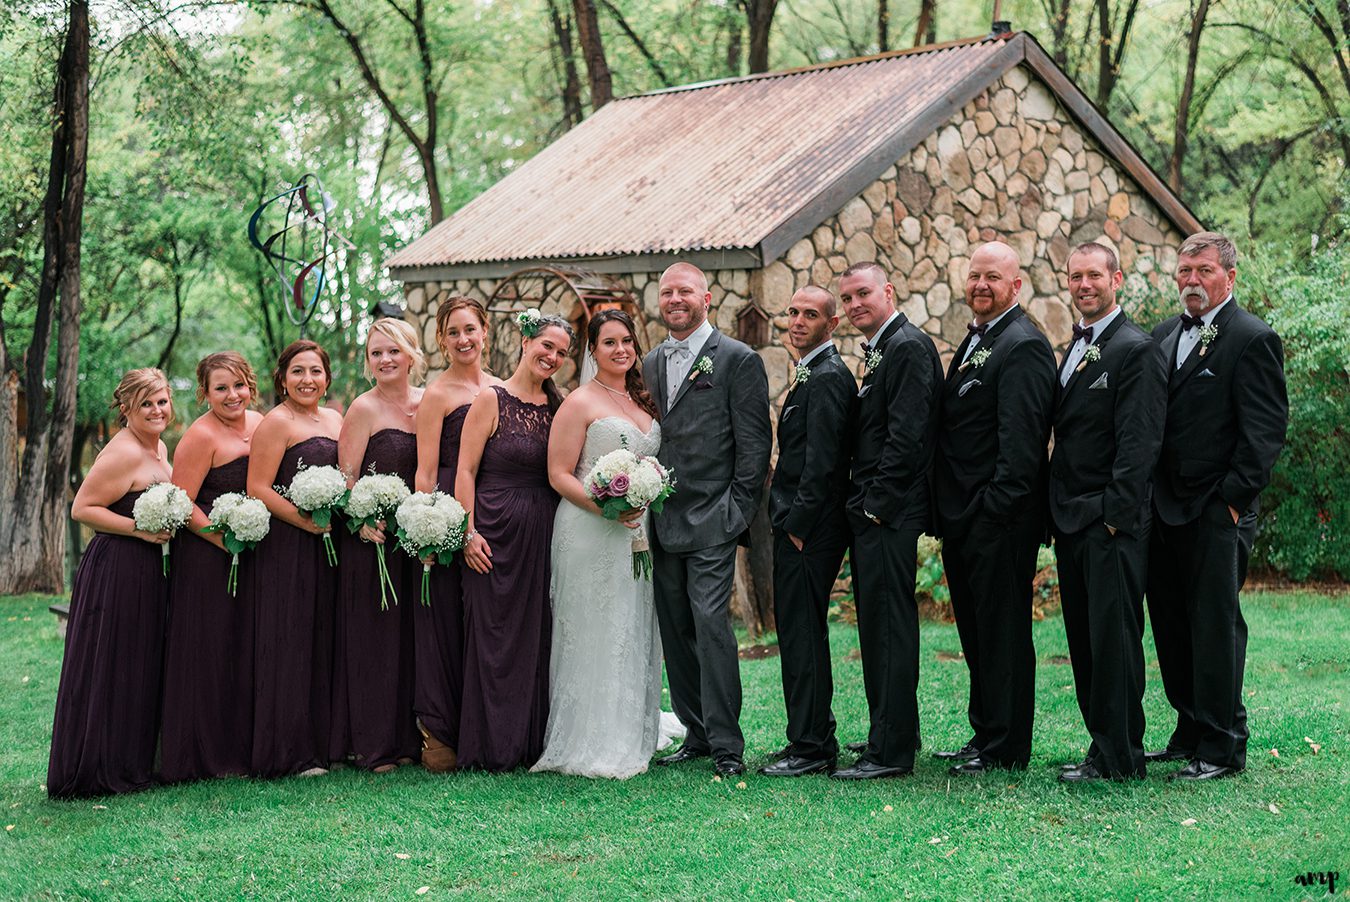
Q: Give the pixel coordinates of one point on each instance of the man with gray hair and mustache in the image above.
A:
(1226, 417)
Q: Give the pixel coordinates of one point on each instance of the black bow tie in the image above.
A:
(1083, 332)
(977, 330)
(867, 349)
(1191, 322)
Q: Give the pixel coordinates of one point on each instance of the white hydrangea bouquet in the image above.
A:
(621, 481)
(373, 500)
(318, 492)
(242, 522)
(431, 525)
(163, 506)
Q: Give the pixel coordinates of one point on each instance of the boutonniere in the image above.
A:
(873, 361)
(702, 365)
(977, 359)
(1207, 336)
(800, 374)
(1091, 355)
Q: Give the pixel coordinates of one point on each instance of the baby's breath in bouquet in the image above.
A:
(163, 506)
(373, 500)
(242, 522)
(431, 525)
(318, 492)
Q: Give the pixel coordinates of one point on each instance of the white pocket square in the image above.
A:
(1206, 373)
(1100, 383)
(862, 392)
(787, 413)
(961, 392)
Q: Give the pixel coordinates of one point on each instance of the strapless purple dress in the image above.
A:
(294, 590)
(508, 624)
(207, 728)
(373, 666)
(440, 627)
(107, 704)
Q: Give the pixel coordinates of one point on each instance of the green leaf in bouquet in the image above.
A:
(322, 517)
(613, 507)
(233, 545)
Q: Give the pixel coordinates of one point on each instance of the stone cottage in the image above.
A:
(780, 180)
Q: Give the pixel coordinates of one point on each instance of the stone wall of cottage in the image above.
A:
(1012, 165)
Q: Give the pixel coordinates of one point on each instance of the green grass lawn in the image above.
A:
(682, 834)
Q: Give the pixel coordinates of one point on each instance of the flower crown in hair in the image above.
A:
(529, 322)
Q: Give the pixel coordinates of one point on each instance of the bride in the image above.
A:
(604, 715)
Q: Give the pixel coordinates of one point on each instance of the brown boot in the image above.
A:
(437, 757)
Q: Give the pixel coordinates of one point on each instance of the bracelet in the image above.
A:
(470, 536)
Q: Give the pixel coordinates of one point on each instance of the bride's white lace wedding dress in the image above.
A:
(605, 716)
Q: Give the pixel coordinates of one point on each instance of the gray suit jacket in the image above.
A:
(716, 440)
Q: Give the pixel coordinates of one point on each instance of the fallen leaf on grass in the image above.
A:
(9, 827)
(888, 808)
(423, 890)
(1275, 752)
(25, 679)
(1189, 822)
(740, 785)
(100, 807)
(1273, 808)
(402, 856)
(1315, 746)
(935, 841)
(717, 779)
(949, 853)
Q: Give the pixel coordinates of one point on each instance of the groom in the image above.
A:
(714, 401)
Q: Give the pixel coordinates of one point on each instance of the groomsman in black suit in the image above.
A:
(989, 503)
(1108, 429)
(806, 507)
(893, 439)
(1226, 416)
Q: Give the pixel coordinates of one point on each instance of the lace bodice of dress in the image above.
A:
(611, 433)
(517, 453)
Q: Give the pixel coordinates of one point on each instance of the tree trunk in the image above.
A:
(1059, 32)
(35, 505)
(593, 49)
(1183, 122)
(759, 19)
(571, 82)
(752, 590)
(883, 26)
(925, 30)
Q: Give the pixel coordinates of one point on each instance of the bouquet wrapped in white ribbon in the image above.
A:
(372, 502)
(431, 525)
(162, 506)
(318, 492)
(621, 481)
(242, 522)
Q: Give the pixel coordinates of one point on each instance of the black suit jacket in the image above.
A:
(810, 480)
(895, 429)
(995, 425)
(1226, 416)
(1108, 429)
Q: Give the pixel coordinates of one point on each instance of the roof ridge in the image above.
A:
(832, 64)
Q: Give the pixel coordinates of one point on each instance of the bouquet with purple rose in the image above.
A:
(620, 482)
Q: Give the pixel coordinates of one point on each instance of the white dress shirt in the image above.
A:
(680, 359)
(1191, 337)
(1079, 347)
(882, 331)
(815, 352)
(975, 339)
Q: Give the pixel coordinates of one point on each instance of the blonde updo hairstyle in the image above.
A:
(233, 363)
(135, 387)
(402, 334)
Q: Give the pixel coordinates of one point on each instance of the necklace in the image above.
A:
(244, 435)
(622, 394)
(301, 411)
(399, 407)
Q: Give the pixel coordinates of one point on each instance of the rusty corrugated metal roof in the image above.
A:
(717, 166)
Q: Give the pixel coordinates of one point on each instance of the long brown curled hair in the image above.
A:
(633, 381)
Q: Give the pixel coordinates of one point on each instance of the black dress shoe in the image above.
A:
(729, 766)
(1078, 765)
(1085, 773)
(977, 765)
(867, 770)
(785, 752)
(1203, 770)
(792, 766)
(683, 754)
(1168, 754)
(857, 748)
(966, 752)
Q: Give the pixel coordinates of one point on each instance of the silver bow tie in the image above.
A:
(674, 347)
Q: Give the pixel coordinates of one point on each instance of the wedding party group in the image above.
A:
(483, 574)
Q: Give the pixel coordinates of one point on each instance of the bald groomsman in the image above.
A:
(893, 437)
(1226, 416)
(1108, 429)
(989, 493)
(806, 507)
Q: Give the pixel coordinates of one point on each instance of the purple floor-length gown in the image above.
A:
(440, 627)
(107, 705)
(373, 666)
(294, 592)
(207, 728)
(508, 624)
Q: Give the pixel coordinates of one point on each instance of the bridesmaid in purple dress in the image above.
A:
(207, 726)
(107, 705)
(293, 585)
(373, 669)
(461, 330)
(502, 480)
